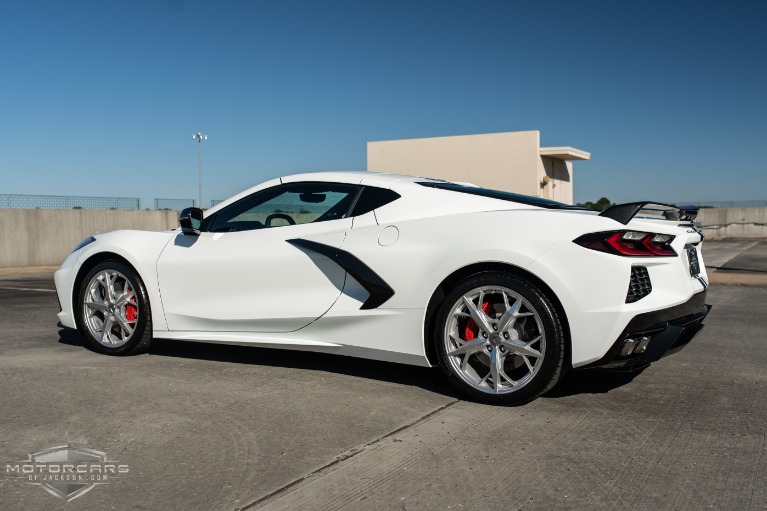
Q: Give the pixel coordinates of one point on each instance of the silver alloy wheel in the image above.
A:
(509, 344)
(110, 308)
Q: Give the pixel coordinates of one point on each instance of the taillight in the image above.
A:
(629, 243)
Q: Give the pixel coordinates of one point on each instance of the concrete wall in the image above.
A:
(502, 161)
(559, 185)
(44, 237)
(723, 223)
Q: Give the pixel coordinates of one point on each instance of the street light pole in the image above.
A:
(199, 137)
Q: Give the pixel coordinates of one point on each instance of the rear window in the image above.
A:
(498, 194)
(373, 198)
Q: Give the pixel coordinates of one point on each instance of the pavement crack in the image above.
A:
(37, 290)
(344, 456)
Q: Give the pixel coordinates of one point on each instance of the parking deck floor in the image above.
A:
(225, 427)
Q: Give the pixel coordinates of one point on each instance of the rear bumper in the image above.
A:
(653, 335)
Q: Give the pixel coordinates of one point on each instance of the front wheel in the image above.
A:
(114, 310)
(500, 339)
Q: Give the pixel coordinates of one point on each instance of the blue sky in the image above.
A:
(102, 97)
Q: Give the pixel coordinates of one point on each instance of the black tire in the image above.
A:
(140, 338)
(546, 372)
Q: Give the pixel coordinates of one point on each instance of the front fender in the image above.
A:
(140, 249)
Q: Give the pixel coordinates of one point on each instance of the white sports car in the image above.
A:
(503, 291)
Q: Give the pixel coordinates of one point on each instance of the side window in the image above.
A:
(288, 204)
(373, 198)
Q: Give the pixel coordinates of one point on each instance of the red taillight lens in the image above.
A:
(629, 243)
(658, 244)
(626, 247)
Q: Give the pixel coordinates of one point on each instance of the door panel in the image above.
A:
(250, 281)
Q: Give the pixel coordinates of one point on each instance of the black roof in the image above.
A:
(498, 194)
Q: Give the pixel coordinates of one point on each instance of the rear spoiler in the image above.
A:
(623, 213)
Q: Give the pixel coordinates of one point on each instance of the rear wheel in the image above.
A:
(114, 310)
(499, 339)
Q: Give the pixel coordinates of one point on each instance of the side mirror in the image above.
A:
(190, 221)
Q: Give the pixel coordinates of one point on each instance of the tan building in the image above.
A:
(513, 161)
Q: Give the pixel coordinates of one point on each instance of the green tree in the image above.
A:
(600, 205)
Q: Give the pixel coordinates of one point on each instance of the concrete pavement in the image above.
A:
(718, 253)
(742, 263)
(219, 427)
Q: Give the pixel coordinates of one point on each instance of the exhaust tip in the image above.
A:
(628, 347)
(634, 346)
(641, 346)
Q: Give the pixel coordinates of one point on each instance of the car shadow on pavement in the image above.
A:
(430, 379)
(591, 381)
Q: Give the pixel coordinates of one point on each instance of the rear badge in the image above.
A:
(692, 256)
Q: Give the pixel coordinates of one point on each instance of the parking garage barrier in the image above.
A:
(19, 201)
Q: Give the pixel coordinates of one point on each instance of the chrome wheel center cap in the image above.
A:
(495, 338)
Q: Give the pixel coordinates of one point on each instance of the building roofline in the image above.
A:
(456, 136)
(566, 153)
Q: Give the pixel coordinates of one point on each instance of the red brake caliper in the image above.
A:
(130, 310)
(471, 330)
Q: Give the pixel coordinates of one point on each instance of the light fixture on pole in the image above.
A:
(199, 137)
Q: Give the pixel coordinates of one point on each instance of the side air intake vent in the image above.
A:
(640, 285)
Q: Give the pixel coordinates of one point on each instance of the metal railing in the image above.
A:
(174, 204)
(67, 202)
(725, 204)
(22, 201)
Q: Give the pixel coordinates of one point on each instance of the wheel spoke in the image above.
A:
(105, 307)
(125, 298)
(124, 326)
(527, 363)
(516, 331)
(101, 281)
(510, 316)
(106, 326)
(496, 368)
(478, 316)
(497, 359)
(96, 304)
(465, 362)
(507, 378)
(522, 348)
(467, 347)
(106, 283)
